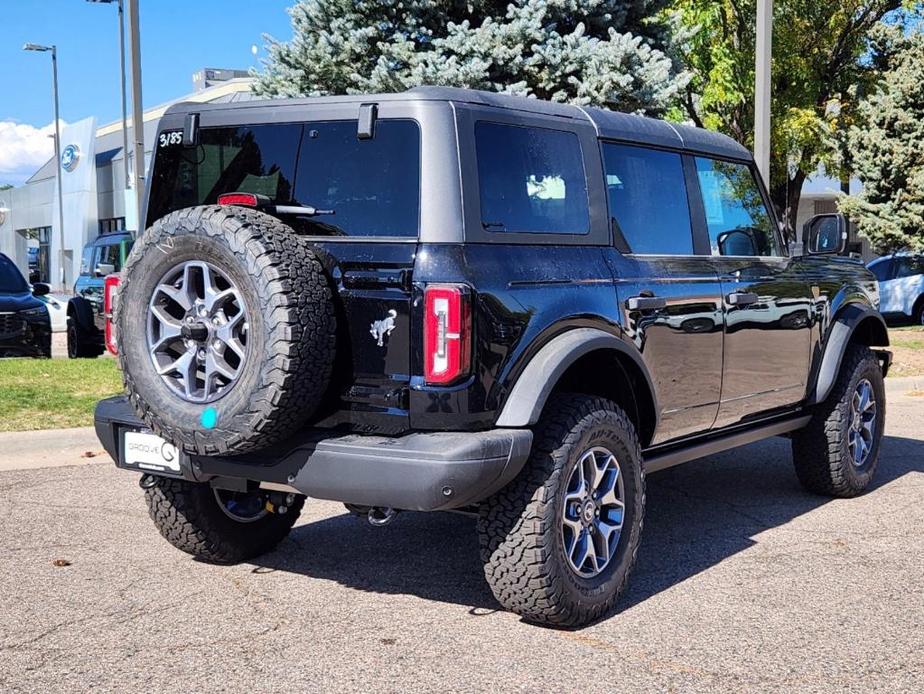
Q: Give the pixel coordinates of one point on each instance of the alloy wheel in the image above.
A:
(862, 428)
(593, 512)
(197, 331)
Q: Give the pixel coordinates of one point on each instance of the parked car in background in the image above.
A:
(57, 310)
(901, 286)
(85, 320)
(25, 327)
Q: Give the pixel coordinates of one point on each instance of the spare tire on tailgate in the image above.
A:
(226, 329)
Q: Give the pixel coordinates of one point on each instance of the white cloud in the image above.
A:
(23, 149)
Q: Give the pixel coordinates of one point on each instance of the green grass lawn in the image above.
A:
(54, 393)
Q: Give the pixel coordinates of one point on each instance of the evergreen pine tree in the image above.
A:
(603, 52)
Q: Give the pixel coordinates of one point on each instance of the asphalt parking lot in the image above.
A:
(744, 582)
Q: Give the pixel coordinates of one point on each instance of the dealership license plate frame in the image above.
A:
(152, 458)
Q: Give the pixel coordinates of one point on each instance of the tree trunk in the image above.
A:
(785, 198)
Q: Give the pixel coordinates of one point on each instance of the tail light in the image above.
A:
(110, 296)
(447, 333)
(244, 199)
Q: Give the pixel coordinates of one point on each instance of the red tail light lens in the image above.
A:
(240, 199)
(447, 334)
(110, 296)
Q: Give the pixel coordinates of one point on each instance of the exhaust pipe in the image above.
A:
(380, 517)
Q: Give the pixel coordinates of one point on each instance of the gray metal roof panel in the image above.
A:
(632, 128)
(456, 94)
(711, 142)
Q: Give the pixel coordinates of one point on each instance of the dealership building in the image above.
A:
(93, 179)
(97, 201)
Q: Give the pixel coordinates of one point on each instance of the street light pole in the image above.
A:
(125, 150)
(54, 86)
(137, 108)
(762, 92)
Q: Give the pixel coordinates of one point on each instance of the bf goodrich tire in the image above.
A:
(197, 520)
(838, 452)
(226, 329)
(582, 491)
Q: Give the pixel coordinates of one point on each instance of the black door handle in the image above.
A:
(742, 298)
(645, 303)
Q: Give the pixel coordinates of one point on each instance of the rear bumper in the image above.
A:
(421, 471)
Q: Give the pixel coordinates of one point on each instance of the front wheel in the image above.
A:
(559, 542)
(838, 452)
(79, 344)
(218, 526)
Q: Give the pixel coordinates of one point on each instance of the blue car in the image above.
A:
(85, 320)
(901, 286)
(25, 327)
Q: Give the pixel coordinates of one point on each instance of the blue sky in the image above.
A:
(177, 38)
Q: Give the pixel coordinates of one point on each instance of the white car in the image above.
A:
(901, 286)
(57, 311)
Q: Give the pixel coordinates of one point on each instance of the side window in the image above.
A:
(531, 180)
(882, 269)
(737, 218)
(909, 266)
(648, 199)
(109, 255)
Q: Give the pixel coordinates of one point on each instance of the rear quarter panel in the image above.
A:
(524, 296)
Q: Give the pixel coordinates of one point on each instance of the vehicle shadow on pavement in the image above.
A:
(697, 515)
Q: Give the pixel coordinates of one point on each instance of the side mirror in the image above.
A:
(104, 269)
(825, 234)
(737, 242)
(40, 289)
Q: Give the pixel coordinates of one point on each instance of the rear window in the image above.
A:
(531, 180)
(372, 185)
(258, 159)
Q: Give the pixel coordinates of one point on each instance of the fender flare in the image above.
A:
(82, 312)
(842, 330)
(527, 399)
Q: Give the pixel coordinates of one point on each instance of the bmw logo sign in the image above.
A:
(70, 157)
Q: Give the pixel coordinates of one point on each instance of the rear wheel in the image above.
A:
(918, 314)
(560, 541)
(216, 525)
(838, 452)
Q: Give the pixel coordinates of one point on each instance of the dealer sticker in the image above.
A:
(150, 452)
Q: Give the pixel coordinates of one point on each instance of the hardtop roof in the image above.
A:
(612, 125)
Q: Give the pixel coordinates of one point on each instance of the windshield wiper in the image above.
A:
(302, 211)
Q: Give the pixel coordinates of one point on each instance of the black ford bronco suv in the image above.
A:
(455, 300)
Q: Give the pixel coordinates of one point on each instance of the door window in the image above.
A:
(531, 180)
(738, 220)
(648, 199)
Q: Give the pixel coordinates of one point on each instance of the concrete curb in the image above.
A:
(23, 450)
